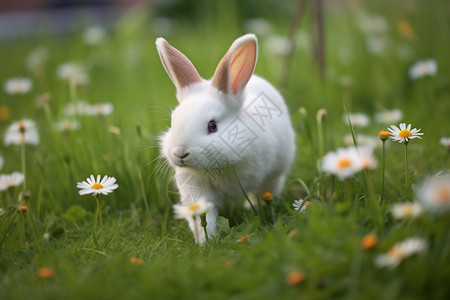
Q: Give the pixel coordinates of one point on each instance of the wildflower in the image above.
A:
(73, 72)
(363, 140)
(343, 163)
(435, 193)
(22, 132)
(383, 134)
(45, 273)
(278, 45)
(5, 113)
(301, 205)
(267, 196)
(10, 181)
(406, 210)
(445, 141)
(244, 238)
(405, 28)
(2, 211)
(369, 241)
(194, 210)
(101, 109)
(258, 26)
(18, 86)
(400, 251)
(423, 68)
(46, 237)
(136, 261)
(367, 159)
(77, 108)
(404, 134)
(389, 116)
(36, 59)
(91, 186)
(295, 277)
(94, 35)
(229, 262)
(357, 119)
(67, 125)
(22, 208)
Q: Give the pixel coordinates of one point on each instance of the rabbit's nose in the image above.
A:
(181, 152)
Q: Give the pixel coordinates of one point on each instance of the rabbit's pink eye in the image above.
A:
(212, 126)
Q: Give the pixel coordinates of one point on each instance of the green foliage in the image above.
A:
(324, 242)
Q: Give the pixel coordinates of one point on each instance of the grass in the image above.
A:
(324, 243)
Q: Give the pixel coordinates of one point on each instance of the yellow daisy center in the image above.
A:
(97, 186)
(194, 207)
(443, 194)
(405, 133)
(344, 163)
(396, 252)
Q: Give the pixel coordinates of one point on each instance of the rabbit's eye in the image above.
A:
(212, 126)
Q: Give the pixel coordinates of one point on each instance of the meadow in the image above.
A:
(96, 99)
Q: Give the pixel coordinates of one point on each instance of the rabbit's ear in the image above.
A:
(237, 66)
(180, 69)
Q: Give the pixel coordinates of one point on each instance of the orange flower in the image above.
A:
(267, 196)
(384, 135)
(405, 29)
(229, 262)
(295, 277)
(22, 207)
(5, 113)
(136, 261)
(45, 273)
(244, 238)
(369, 241)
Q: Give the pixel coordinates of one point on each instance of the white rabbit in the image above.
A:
(227, 134)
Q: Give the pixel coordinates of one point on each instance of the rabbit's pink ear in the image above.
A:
(180, 69)
(237, 66)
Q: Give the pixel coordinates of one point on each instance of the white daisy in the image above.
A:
(435, 193)
(22, 132)
(10, 181)
(368, 161)
(400, 251)
(389, 116)
(94, 35)
(77, 108)
(191, 211)
(357, 119)
(445, 141)
(404, 134)
(423, 68)
(301, 205)
(37, 58)
(18, 86)
(101, 109)
(67, 125)
(406, 210)
(92, 186)
(73, 72)
(344, 162)
(363, 140)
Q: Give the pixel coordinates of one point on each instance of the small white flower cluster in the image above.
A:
(18, 86)
(400, 251)
(9, 181)
(73, 72)
(94, 35)
(87, 109)
(423, 68)
(345, 162)
(359, 119)
(22, 132)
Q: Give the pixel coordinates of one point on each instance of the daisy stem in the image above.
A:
(406, 164)
(99, 213)
(23, 168)
(382, 173)
(204, 224)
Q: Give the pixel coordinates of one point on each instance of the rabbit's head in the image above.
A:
(206, 107)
